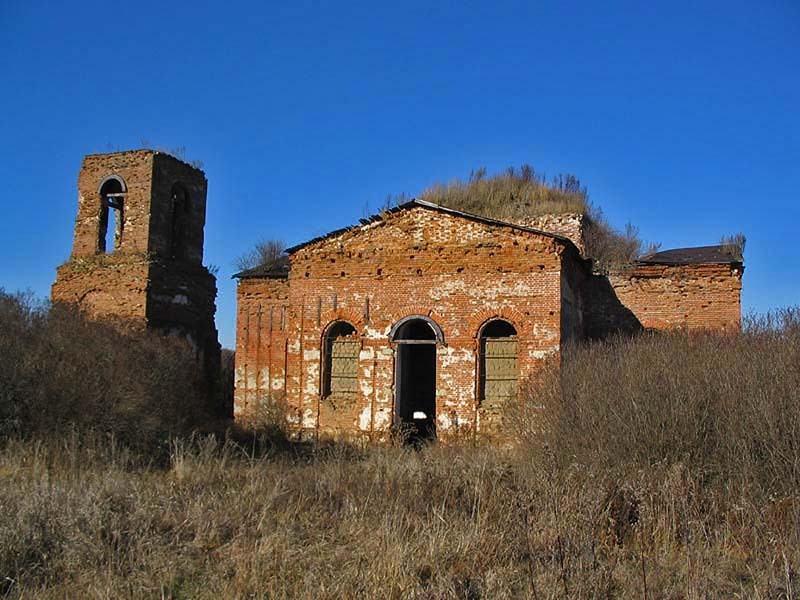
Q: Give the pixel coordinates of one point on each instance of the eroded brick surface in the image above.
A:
(682, 296)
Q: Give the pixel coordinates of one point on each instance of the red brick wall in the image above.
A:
(457, 271)
(261, 326)
(167, 172)
(688, 296)
(136, 170)
(105, 285)
(569, 225)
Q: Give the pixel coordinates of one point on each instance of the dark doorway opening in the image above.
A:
(415, 382)
(416, 390)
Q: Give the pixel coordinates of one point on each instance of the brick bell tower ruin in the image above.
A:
(137, 255)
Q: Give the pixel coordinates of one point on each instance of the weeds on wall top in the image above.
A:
(519, 195)
(515, 194)
(733, 245)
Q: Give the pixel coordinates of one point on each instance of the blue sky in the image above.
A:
(681, 117)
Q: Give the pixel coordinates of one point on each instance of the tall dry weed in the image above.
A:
(725, 406)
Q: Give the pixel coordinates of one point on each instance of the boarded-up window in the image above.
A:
(498, 368)
(340, 353)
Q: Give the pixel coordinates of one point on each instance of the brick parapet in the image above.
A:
(695, 297)
(569, 225)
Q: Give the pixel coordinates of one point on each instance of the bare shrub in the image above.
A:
(611, 249)
(726, 406)
(60, 371)
(734, 245)
(266, 253)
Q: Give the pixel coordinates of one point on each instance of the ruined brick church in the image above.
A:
(420, 318)
(429, 318)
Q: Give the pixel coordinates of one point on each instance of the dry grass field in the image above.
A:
(660, 467)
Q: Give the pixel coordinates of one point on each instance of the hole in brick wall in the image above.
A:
(380, 271)
(460, 270)
(342, 274)
(419, 271)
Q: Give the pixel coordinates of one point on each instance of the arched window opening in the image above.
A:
(112, 199)
(416, 329)
(498, 367)
(180, 221)
(341, 347)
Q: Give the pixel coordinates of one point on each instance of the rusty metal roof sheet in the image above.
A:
(699, 255)
(264, 272)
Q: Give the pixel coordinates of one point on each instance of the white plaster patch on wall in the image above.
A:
(294, 346)
(367, 353)
(278, 383)
(366, 387)
(446, 287)
(456, 355)
(544, 332)
(517, 287)
(383, 418)
(312, 378)
(309, 418)
(293, 419)
(385, 352)
(239, 377)
(364, 419)
(376, 334)
(311, 355)
(540, 354)
(443, 421)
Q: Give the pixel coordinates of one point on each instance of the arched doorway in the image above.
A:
(415, 376)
